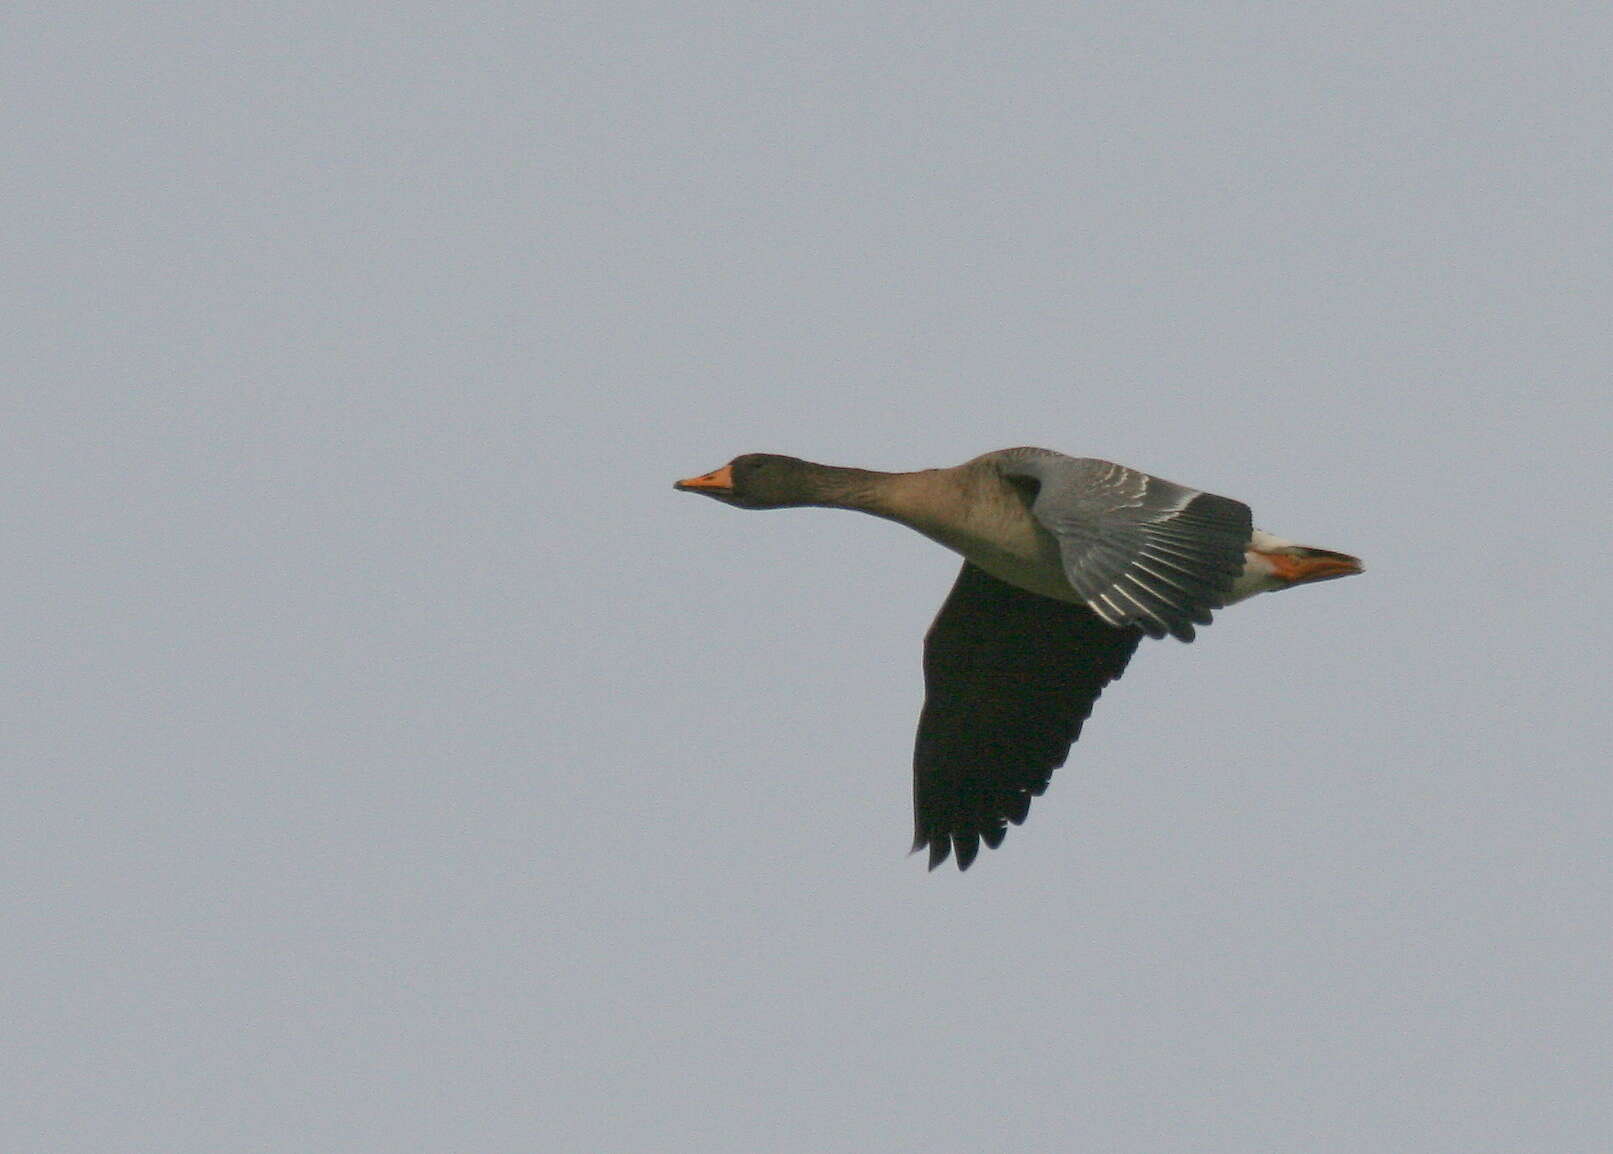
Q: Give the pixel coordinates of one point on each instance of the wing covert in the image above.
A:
(1138, 549)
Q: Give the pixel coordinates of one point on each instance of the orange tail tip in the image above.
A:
(1304, 565)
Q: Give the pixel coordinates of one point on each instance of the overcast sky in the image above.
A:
(393, 761)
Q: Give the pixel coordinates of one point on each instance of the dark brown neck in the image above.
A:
(836, 487)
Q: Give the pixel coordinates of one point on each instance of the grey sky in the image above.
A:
(394, 762)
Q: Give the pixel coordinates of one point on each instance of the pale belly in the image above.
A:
(1029, 558)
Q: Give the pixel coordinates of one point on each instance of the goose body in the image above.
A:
(1068, 563)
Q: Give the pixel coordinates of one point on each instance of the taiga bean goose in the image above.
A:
(1068, 562)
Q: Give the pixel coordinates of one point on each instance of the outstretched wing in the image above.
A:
(1139, 550)
(1009, 677)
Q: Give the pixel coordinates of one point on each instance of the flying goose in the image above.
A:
(1068, 562)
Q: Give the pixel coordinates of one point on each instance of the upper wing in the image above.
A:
(1139, 550)
(1009, 677)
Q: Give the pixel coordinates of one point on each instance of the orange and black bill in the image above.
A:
(717, 483)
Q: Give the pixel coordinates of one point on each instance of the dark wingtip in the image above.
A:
(1016, 806)
(963, 847)
(966, 846)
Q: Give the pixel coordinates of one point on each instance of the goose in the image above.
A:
(1067, 563)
